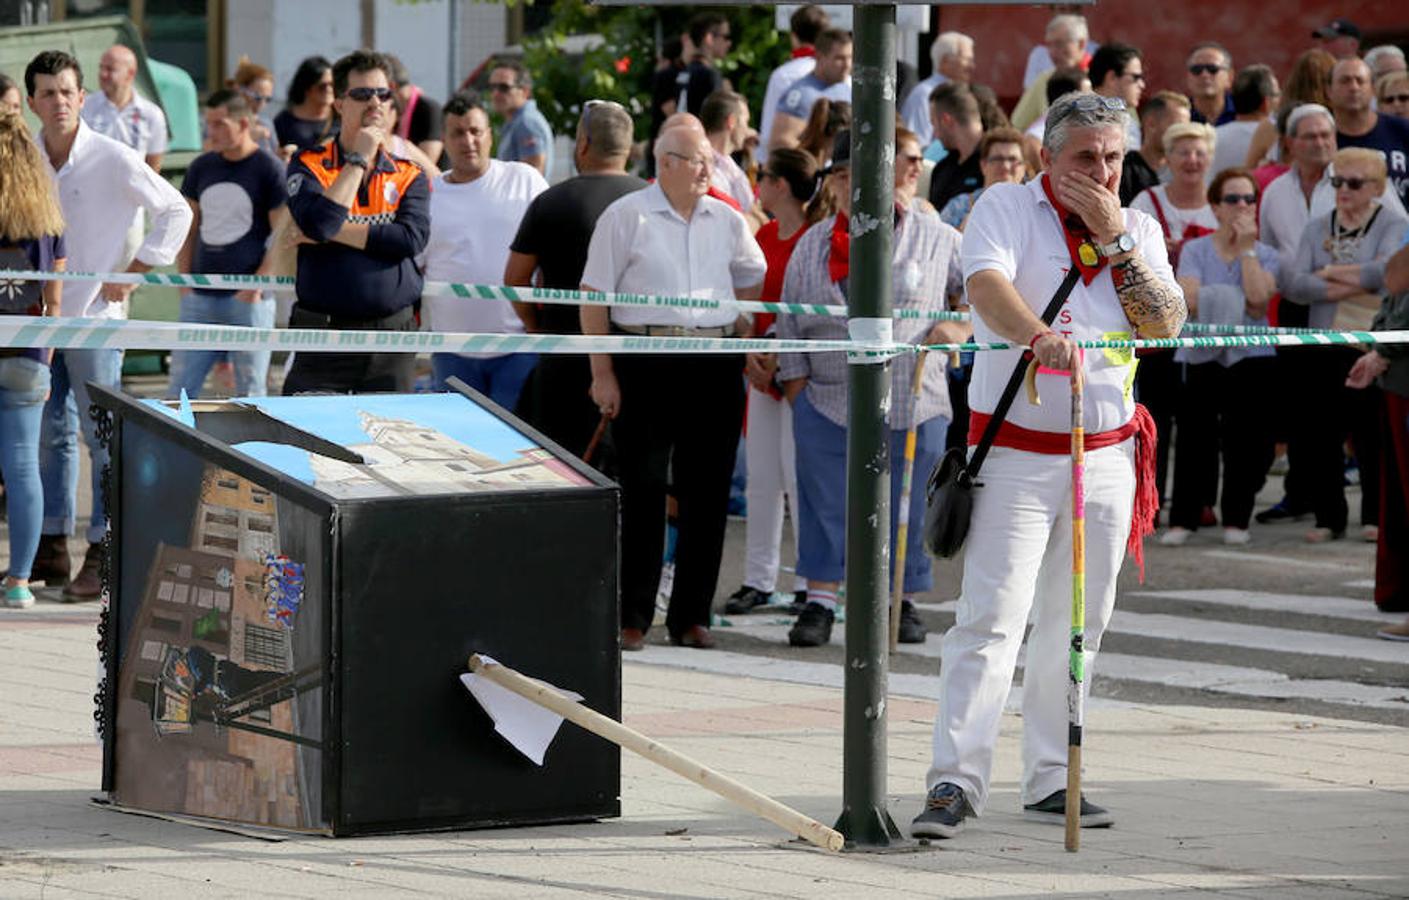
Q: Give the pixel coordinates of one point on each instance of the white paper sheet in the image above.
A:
(523, 723)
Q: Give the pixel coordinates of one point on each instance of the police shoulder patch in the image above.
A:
(295, 183)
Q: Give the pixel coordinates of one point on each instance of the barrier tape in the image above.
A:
(479, 292)
(38, 332)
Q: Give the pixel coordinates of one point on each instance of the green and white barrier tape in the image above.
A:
(479, 292)
(1314, 339)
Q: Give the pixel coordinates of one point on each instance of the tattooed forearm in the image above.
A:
(1156, 309)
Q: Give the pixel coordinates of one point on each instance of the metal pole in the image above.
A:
(864, 819)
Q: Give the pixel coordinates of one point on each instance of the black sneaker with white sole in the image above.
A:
(745, 600)
(945, 810)
(912, 629)
(1053, 810)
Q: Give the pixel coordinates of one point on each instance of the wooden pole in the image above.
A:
(902, 522)
(784, 817)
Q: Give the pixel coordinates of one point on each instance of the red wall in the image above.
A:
(1271, 31)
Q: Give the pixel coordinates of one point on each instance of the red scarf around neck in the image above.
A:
(839, 260)
(1076, 234)
(799, 52)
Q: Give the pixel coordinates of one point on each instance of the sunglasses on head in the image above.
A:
(1355, 184)
(1205, 69)
(1235, 199)
(365, 94)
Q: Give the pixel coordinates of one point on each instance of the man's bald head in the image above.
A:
(681, 120)
(686, 139)
(1351, 87)
(116, 71)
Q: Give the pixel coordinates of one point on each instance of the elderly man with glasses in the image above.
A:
(1022, 241)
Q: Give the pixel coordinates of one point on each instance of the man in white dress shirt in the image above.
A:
(102, 186)
(673, 415)
(953, 57)
(122, 114)
(1019, 244)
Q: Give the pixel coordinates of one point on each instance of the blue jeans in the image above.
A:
(821, 495)
(190, 367)
(500, 377)
(23, 384)
(65, 413)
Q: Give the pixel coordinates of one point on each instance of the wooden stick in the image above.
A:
(784, 817)
(902, 522)
(1076, 665)
(596, 439)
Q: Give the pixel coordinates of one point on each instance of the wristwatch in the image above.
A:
(353, 158)
(1123, 243)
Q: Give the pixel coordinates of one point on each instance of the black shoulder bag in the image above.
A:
(949, 494)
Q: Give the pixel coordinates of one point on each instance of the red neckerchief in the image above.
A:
(839, 262)
(799, 52)
(1076, 234)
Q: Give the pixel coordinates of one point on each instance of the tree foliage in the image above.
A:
(621, 66)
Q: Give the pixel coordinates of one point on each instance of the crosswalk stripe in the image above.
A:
(1276, 560)
(1334, 607)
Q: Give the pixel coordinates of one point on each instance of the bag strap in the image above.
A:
(1000, 412)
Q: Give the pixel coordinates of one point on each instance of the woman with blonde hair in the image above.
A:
(1392, 94)
(31, 237)
(1181, 207)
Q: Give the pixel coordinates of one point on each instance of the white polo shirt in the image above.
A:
(140, 124)
(103, 187)
(1284, 210)
(472, 225)
(1014, 231)
(641, 245)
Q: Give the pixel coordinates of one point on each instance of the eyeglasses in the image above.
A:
(256, 98)
(1135, 76)
(694, 162)
(1205, 69)
(913, 159)
(1395, 98)
(722, 35)
(366, 94)
(1355, 184)
(1004, 160)
(324, 85)
(1236, 199)
(501, 87)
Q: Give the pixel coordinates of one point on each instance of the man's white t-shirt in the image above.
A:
(472, 225)
(1230, 146)
(140, 124)
(1014, 231)
(778, 82)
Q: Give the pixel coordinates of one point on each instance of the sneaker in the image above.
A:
(813, 627)
(912, 630)
(1279, 513)
(745, 600)
(1175, 537)
(1053, 810)
(1236, 536)
(799, 601)
(19, 596)
(946, 808)
(1398, 632)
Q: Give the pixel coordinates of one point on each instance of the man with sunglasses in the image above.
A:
(1117, 70)
(526, 136)
(362, 216)
(1359, 125)
(1210, 82)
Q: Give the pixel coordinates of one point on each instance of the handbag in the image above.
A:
(949, 493)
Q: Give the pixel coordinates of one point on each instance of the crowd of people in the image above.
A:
(1233, 202)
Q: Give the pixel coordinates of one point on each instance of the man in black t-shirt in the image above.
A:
(238, 197)
(959, 127)
(552, 240)
(710, 34)
(1359, 125)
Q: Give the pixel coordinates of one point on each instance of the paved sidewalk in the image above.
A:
(1226, 803)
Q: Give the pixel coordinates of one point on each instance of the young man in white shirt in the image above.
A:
(476, 208)
(1018, 246)
(675, 414)
(122, 114)
(102, 186)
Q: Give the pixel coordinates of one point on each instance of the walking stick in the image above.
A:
(902, 530)
(1076, 667)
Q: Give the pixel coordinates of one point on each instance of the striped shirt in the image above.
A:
(925, 271)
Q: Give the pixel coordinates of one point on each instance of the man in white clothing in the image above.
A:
(102, 186)
(1255, 97)
(806, 23)
(122, 114)
(476, 208)
(673, 415)
(953, 57)
(1020, 242)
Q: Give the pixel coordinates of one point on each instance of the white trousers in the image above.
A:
(772, 474)
(1018, 560)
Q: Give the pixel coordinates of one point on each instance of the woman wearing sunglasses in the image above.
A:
(1338, 271)
(1228, 278)
(1392, 94)
(307, 119)
(256, 83)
